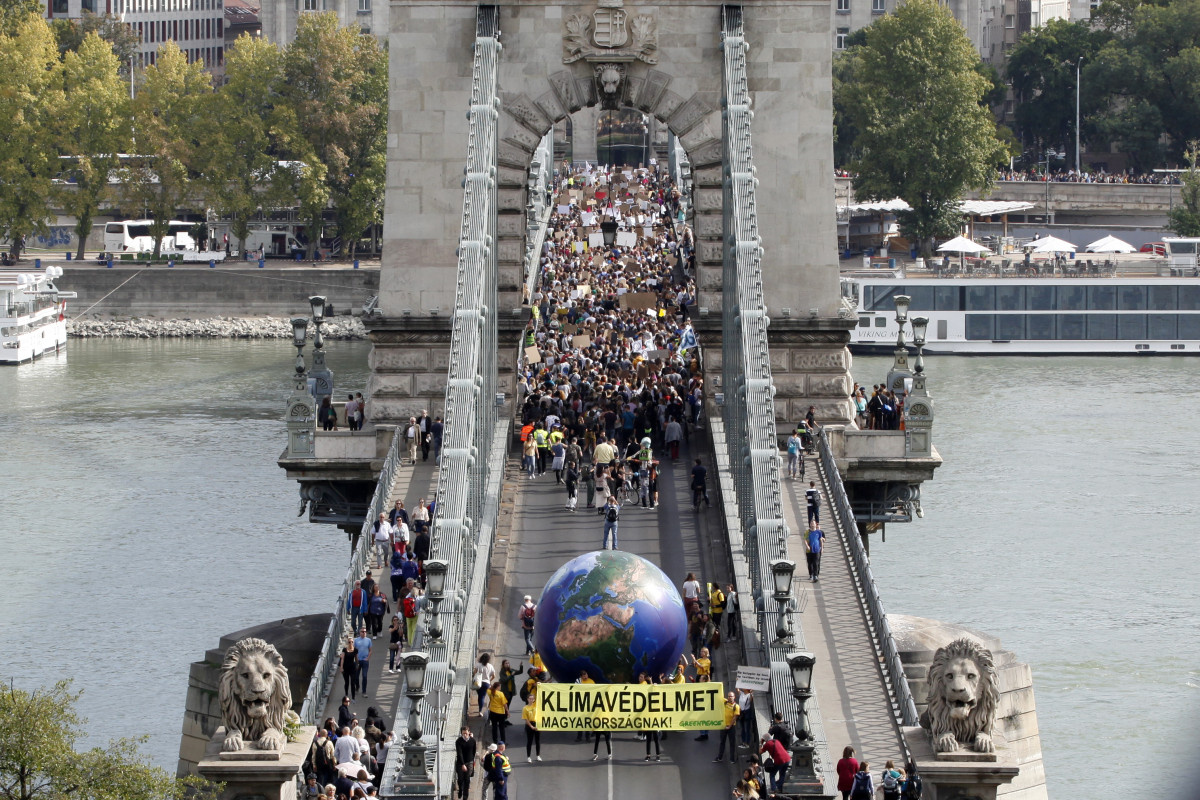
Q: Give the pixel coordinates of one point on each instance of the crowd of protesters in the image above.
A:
(1075, 176)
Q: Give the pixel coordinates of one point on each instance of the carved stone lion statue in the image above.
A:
(255, 696)
(963, 696)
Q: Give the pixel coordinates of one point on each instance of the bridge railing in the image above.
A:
(749, 408)
(904, 707)
(324, 674)
(471, 461)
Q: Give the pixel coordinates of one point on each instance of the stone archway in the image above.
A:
(663, 59)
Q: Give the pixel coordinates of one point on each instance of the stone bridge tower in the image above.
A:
(662, 58)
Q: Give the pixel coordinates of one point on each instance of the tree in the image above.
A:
(249, 126)
(845, 135)
(14, 12)
(70, 34)
(924, 134)
(336, 81)
(1184, 219)
(1145, 80)
(93, 129)
(39, 760)
(30, 96)
(1042, 70)
(168, 116)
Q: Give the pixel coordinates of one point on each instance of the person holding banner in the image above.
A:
(732, 710)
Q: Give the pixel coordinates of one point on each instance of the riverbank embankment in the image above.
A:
(334, 328)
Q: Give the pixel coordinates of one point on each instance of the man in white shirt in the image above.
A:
(382, 541)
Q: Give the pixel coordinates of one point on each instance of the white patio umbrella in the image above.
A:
(1052, 244)
(1110, 244)
(961, 244)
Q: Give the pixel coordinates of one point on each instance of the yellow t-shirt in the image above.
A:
(535, 660)
(497, 702)
(586, 679)
(529, 713)
(703, 669)
(679, 677)
(731, 713)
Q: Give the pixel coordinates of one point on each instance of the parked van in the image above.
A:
(273, 243)
(133, 236)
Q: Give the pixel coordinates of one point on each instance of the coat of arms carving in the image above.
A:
(611, 34)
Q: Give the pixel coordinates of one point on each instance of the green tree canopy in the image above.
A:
(93, 128)
(39, 759)
(925, 135)
(30, 97)
(336, 82)
(70, 34)
(248, 129)
(168, 117)
(1184, 219)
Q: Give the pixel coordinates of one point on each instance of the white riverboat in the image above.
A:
(32, 314)
(1036, 315)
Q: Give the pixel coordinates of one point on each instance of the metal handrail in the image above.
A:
(323, 675)
(905, 708)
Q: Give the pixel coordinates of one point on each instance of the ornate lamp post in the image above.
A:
(608, 228)
(918, 411)
(803, 775)
(301, 410)
(782, 570)
(899, 372)
(414, 776)
(436, 571)
(322, 377)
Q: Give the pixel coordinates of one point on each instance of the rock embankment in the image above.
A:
(212, 328)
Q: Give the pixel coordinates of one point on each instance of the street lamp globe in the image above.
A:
(919, 326)
(608, 228)
(299, 331)
(436, 570)
(415, 664)
(782, 570)
(318, 307)
(801, 664)
(902, 302)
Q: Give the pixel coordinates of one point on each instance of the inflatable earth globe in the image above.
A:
(613, 614)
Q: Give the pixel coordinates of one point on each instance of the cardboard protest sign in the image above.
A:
(533, 355)
(589, 218)
(638, 300)
(658, 354)
(563, 209)
(581, 341)
(626, 239)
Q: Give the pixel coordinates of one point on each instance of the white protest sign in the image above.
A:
(626, 239)
(596, 239)
(756, 679)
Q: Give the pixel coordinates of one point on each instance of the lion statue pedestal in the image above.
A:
(251, 753)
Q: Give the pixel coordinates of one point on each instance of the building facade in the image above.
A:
(280, 17)
(196, 26)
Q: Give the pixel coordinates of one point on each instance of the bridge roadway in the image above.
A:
(543, 536)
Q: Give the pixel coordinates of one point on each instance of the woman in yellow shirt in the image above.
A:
(497, 712)
(703, 666)
(533, 737)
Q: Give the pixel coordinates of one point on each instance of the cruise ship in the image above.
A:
(1054, 314)
(32, 314)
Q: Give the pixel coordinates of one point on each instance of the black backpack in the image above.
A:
(912, 789)
(610, 514)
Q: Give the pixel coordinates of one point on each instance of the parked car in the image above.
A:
(1158, 248)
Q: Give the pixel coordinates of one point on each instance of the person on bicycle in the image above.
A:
(644, 461)
(699, 489)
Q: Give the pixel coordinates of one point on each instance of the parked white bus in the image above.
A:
(133, 236)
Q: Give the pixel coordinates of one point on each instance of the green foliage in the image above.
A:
(93, 128)
(168, 117)
(30, 97)
(1184, 218)
(70, 34)
(248, 126)
(14, 12)
(336, 82)
(1042, 70)
(39, 759)
(924, 134)
(845, 134)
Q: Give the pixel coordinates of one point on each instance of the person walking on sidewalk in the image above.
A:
(612, 516)
(732, 710)
(795, 460)
(465, 750)
(813, 544)
(526, 615)
(812, 496)
(362, 646)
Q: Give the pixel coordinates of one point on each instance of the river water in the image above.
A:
(144, 517)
